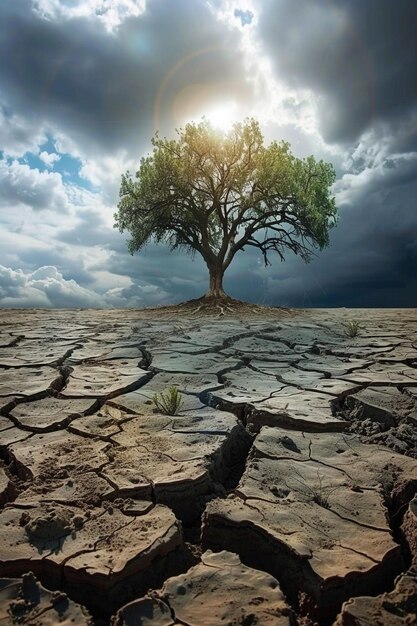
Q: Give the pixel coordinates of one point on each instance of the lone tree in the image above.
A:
(216, 193)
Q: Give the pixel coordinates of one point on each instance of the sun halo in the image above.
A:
(222, 116)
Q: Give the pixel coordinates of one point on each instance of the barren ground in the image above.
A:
(283, 493)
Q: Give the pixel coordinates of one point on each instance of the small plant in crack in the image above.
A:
(170, 402)
(352, 328)
(318, 493)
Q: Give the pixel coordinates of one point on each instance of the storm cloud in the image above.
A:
(84, 86)
(110, 89)
(359, 57)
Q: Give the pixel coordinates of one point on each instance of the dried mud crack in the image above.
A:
(283, 492)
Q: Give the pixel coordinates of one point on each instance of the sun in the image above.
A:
(222, 116)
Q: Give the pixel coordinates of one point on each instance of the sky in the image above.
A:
(84, 85)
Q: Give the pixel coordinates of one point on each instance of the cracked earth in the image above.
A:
(283, 493)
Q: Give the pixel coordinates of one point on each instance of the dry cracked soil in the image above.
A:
(282, 493)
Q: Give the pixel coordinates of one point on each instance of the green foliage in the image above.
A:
(170, 402)
(216, 193)
(352, 328)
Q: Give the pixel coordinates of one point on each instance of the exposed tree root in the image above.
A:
(215, 307)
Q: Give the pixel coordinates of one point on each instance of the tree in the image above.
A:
(216, 194)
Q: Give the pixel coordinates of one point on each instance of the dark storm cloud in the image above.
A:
(91, 230)
(101, 87)
(372, 259)
(361, 56)
(182, 277)
(178, 274)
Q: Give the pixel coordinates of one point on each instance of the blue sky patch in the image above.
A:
(246, 17)
(68, 166)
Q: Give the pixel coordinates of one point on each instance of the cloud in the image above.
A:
(19, 134)
(384, 178)
(384, 140)
(49, 158)
(359, 58)
(178, 275)
(112, 90)
(45, 287)
(245, 17)
(85, 83)
(20, 184)
(109, 14)
(91, 229)
(105, 173)
(373, 254)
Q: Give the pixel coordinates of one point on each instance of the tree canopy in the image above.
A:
(217, 193)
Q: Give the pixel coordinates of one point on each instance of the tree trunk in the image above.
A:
(216, 283)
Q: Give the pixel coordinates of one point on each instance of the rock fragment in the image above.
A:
(409, 528)
(176, 362)
(396, 608)
(25, 601)
(385, 405)
(384, 374)
(219, 590)
(386, 416)
(73, 489)
(7, 488)
(190, 386)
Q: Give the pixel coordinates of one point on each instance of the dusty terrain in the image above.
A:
(283, 493)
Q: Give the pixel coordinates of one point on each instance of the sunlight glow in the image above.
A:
(222, 116)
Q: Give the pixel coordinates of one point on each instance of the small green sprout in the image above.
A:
(352, 328)
(170, 402)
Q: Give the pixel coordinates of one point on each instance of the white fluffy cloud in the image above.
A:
(21, 184)
(46, 287)
(49, 158)
(105, 173)
(111, 13)
(19, 134)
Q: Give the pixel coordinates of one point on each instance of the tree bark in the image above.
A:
(216, 283)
